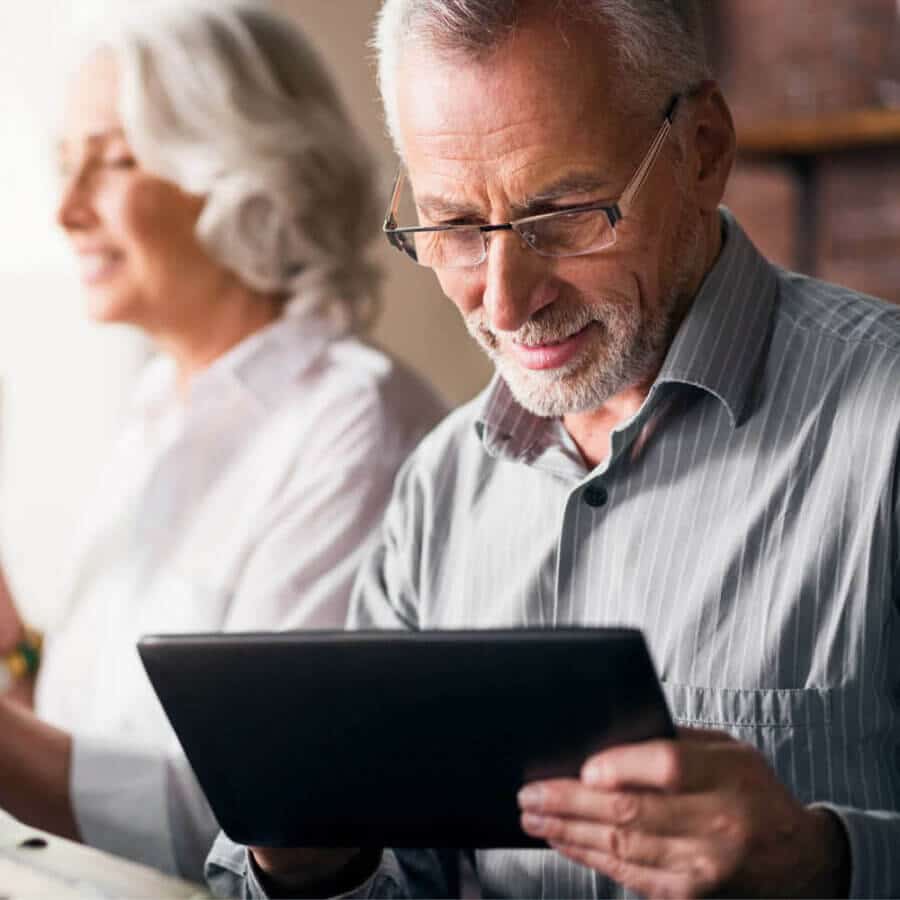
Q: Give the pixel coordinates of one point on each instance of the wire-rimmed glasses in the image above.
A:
(574, 231)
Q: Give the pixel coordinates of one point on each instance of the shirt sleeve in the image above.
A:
(143, 804)
(301, 574)
(896, 525)
(386, 591)
(383, 597)
(302, 570)
(231, 872)
(874, 836)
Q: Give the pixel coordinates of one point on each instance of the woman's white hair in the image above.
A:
(659, 43)
(229, 101)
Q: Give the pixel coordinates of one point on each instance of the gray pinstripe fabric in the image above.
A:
(752, 529)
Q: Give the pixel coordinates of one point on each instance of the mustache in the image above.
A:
(548, 325)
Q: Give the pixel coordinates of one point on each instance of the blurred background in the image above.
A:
(815, 88)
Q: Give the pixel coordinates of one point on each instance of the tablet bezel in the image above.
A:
(255, 714)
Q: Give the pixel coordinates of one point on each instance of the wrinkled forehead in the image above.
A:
(543, 100)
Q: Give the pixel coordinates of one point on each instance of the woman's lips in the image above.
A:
(98, 266)
(550, 355)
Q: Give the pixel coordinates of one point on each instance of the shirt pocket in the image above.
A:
(825, 744)
(750, 710)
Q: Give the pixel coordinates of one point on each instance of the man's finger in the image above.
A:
(652, 812)
(674, 854)
(643, 880)
(672, 766)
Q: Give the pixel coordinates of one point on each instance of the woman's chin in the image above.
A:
(106, 308)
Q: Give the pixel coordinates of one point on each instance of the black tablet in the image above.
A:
(406, 739)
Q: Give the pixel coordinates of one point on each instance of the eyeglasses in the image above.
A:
(575, 231)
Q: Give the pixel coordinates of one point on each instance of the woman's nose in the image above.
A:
(75, 208)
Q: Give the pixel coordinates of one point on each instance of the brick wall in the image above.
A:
(834, 214)
(859, 223)
(782, 58)
(766, 200)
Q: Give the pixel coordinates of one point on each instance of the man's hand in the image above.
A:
(298, 871)
(688, 818)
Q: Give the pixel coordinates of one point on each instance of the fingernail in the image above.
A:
(595, 773)
(532, 796)
(533, 824)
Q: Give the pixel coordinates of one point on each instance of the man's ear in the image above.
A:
(711, 145)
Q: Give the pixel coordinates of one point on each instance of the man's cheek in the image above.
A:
(463, 288)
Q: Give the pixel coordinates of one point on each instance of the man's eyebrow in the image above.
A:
(436, 207)
(441, 207)
(573, 183)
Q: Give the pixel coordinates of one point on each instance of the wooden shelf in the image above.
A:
(799, 137)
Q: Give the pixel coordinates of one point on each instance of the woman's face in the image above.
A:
(133, 232)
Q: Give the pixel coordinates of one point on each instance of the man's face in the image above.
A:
(528, 130)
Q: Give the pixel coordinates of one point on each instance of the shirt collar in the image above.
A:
(718, 348)
(722, 340)
(253, 372)
(263, 363)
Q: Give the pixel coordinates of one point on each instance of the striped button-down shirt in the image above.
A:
(747, 519)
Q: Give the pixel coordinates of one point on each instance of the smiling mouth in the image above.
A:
(551, 354)
(97, 267)
(537, 346)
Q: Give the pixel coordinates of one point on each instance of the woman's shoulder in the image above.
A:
(371, 385)
(380, 375)
(353, 393)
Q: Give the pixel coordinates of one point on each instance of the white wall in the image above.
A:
(62, 380)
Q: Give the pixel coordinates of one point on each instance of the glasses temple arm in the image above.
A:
(639, 177)
(390, 220)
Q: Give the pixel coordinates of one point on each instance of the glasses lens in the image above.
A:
(569, 234)
(449, 249)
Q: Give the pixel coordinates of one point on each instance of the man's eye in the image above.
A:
(564, 206)
(439, 222)
(577, 215)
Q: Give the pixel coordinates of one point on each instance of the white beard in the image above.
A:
(628, 347)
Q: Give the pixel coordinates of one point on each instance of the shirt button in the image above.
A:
(596, 495)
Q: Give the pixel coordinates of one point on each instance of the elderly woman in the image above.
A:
(218, 199)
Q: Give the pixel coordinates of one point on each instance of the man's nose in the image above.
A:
(517, 282)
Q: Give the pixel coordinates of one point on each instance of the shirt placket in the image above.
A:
(586, 509)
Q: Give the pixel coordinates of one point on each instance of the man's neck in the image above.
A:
(591, 430)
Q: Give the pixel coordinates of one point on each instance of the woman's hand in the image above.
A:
(11, 626)
(34, 776)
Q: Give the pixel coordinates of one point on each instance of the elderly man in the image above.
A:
(680, 437)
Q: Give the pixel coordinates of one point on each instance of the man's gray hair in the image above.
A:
(229, 101)
(659, 43)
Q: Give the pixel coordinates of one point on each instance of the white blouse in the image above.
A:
(245, 506)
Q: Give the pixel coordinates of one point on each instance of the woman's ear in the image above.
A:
(711, 145)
